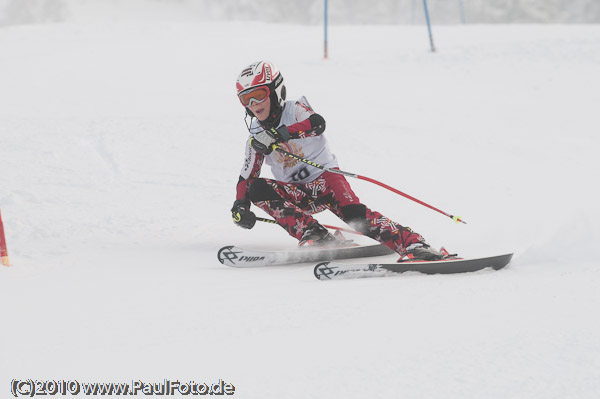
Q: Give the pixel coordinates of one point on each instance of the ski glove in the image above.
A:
(263, 141)
(242, 215)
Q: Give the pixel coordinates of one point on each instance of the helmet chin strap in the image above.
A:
(271, 121)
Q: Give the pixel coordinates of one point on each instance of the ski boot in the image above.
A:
(421, 252)
(317, 235)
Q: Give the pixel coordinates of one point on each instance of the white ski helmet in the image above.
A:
(261, 74)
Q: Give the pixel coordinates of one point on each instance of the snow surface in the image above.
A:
(121, 144)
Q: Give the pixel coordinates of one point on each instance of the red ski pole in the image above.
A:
(3, 250)
(341, 172)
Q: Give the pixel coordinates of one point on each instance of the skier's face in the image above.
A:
(261, 111)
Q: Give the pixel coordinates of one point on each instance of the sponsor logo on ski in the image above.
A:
(227, 254)
(251, 258)
(324, 271)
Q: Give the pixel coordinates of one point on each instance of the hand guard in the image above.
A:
(263, 141)
(242, 215)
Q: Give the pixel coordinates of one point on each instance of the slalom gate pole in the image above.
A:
(3, 250)
(266, 220)
(275, 147)
(325, 30)
(428, 25)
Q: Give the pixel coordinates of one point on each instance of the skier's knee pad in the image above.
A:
(260, 190)
(356, 216)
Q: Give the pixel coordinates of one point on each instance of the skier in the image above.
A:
(300, 190)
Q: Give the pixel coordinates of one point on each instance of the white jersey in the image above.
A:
(284, 168)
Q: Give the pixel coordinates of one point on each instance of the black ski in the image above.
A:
(332, 270)
(239, 257)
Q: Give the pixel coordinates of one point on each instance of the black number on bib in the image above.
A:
(301, 174)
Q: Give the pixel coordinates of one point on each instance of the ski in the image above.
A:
(332, 270)
(239, 257)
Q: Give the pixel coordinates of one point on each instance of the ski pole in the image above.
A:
(266, 220)
(275, 147)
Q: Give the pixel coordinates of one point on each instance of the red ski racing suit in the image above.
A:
(300, 190)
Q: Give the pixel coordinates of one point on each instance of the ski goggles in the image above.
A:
(257, 96)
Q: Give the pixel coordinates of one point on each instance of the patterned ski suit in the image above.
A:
(300, 190)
